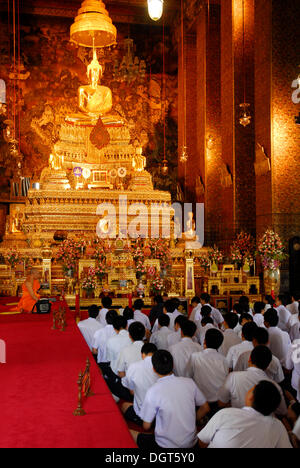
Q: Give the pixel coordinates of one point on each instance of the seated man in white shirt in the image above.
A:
(169, 308)
(128, 314)
(128, 355)
(258, 317)
(117, 342)
(172, 403)
(274, 371)
(245, 304)
(252, 426)
(140, 376)
(238, 384)
(294, 326)
(101, 338)
(243, 319)
(181, 352)
(205, 311)
(296, 431)
(292, 363)
(140, 317)
(230, 337)
(206, 324)
(160, 337)
(246, 345)
(216, 314)
(293, 307)
(106, 305)
(209, 368)
(175, 336)
(196, 304)
(89, 327)
(284, 314)
(269, 302)
(279, 341)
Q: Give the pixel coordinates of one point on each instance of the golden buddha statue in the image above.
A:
(95, 100)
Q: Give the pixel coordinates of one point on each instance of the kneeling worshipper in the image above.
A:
(30, 294)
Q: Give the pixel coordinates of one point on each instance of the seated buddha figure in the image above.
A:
(95, 100)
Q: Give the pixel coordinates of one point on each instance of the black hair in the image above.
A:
(258, 307)
(271, 317)
(206, 311)
(267, 398)
(269, 300)
(137, 331)
(248, 330)
(93, 311)
(214, 338)
(195, 300)
(180, 319)
(106, 302)
(119, 323)
(284, 299)
(110, 316)
(205, 297)
(158, 299)
(231, 319)
(162, 362)
(261, 335)
(245, 316)
(128, 313)
(164, 320)
(138, 304)
(148, 348)
(170, 306)
(206, 320)
(244, 303)
(238, 308)
(188, 328)
(261, 357)
(176, 302)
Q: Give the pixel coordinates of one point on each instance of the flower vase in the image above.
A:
(272, 281)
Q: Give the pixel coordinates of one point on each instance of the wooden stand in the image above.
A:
(59, 319)
(84, 388)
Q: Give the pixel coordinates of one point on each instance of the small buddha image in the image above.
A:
(94, 99)
(190, 233)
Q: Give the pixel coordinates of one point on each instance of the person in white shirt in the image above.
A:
(169, 309)
(160, 338)
(284, 314)
(269, 302)
(101, 338)
(205, 311)
(235, 351)
(216, 314)
(206, 324)
(279, 341)
(128, 355)
(294, 326)
(140, 376)
(140, 317)
(117, 342)
(252, 426)
(196, 304)
(293, 307)
(245, 304)
(89, 327)
(106, 305)
(230, 337)
(209, 368)
(182, 351)
(243, 319)
(296, 430)
(292, 362)
(259, 308)
(237, 384)
(274, 371)
(129, 315)
(175, 336)
(172, 403)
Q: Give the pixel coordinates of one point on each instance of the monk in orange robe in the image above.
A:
(30, 294)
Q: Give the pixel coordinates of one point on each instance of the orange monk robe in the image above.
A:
(27, 302)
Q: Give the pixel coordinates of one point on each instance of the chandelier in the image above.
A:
(245, 116)
(93, 26)
(155, 9)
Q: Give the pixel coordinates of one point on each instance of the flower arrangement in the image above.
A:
(270, 249)
(99, 253)
(140, 268)
(204, 261)
(215, 255)
(243, 249)
(68, 253)
(100, 271)
(13, 258)
(89, 282)
(157, 285)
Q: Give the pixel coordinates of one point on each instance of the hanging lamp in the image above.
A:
(155, 9)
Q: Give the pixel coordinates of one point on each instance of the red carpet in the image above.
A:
(38, 391)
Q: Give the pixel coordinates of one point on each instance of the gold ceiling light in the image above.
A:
(93, 26)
